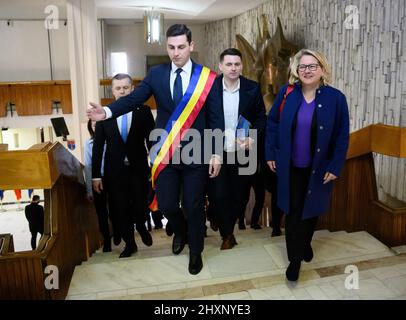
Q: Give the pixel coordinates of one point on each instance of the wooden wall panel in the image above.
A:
(66, 98)
(76, 229)
(355, 205)
(31, 100)
(109, 98)
(4, 94)
(24, 278)
(36, 98)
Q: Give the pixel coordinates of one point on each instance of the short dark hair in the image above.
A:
(35, 198)
(90, 128)
(178, 30)
(121, 76)
(230, 52)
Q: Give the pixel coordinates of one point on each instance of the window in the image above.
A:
(118, 63)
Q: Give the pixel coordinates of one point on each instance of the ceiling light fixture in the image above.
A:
(153, 26)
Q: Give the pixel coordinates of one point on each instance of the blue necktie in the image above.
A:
(177, 88)
(124, 130)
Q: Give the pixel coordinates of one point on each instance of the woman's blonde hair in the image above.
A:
(322, 60)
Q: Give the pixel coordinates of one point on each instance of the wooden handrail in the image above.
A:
(38, 97)
(107, 82)
(38, 167)
(378, 138)
(103, 82)
(6, 244)
(355, 204)
(35, 83)
(70, 227)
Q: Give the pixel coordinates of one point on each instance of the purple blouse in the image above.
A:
(301, 154)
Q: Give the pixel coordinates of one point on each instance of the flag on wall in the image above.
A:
(30, 191)
(18, 194)
(71, 144)
(1, 194)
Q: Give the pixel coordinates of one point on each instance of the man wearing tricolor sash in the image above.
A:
(184, 105)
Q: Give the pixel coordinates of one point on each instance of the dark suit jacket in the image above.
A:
(35, 216)
(251, 105)
(116, 150)
(156, 83)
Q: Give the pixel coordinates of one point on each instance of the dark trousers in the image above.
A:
(228, 195)
(299, 232)
(258, 184)
(129, 200)
(34, 239)
(100, 204)
(277, 213)
(192, 179)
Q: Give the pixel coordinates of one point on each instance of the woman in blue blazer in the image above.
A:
(306, 145)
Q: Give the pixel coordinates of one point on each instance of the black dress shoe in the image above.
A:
(158, 224)
(276, 232)
(107, 247)
(241, 225)
(256, 226)
(292, 272)
(146, 237)
(168, 229)
(128, 251)
(213, 225)
(195, 263)
(308, 254)
(228, 242)
(116, 239)
(178, 244)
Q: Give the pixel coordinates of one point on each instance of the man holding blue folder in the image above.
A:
(242, 108)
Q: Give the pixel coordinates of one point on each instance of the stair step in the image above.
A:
(155, 269)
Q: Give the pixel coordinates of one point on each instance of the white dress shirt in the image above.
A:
(231, 101)
(185, 75)
(129, 118)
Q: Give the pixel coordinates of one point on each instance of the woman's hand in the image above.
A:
(272, 165)
(329, 177)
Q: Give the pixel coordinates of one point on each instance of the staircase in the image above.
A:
(254, 269)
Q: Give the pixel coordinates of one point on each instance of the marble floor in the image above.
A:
(12, 220)
(253, 270)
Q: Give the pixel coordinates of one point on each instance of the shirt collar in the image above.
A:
(236, 88)
(186, 68)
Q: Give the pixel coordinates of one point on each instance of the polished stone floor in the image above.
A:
(254, 269)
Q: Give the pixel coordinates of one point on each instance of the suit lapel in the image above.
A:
(115, 130)
(243, 97)
(166, 85)
(221, 91)
(297, 98)
(132, 125)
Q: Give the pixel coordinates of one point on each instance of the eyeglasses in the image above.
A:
(303, 67)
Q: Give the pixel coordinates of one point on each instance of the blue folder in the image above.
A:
(243, 127)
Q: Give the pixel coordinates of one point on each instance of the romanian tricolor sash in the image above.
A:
(181, 120)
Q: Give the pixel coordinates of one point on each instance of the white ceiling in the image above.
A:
(199, 11)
